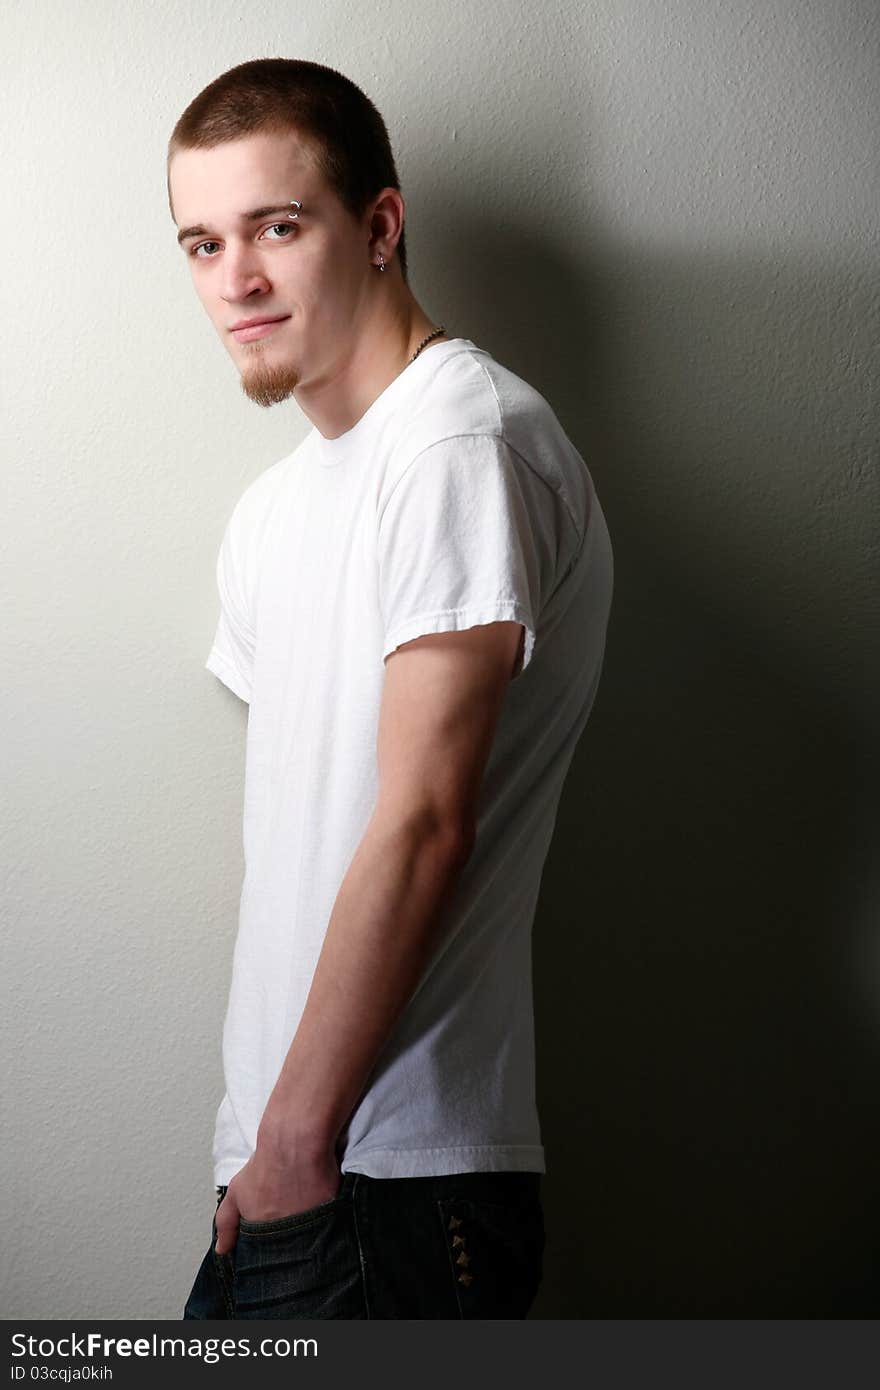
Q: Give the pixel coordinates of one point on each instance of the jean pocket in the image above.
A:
(296, 1218)
(306, 1265)
(495, 1253)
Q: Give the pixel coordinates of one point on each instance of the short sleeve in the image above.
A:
(457, 545)
(231, 658)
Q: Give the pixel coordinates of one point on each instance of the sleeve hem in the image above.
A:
(223, 669)
(457, 619)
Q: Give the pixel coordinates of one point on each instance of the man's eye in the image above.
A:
(287, 228)
(203, 246)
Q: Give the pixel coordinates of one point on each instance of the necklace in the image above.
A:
(426, 341)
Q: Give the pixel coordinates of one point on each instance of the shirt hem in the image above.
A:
(458, 619)
(465, 1158)
(428, 1163)
(226, 672)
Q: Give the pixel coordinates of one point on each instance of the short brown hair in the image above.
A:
(350, 140)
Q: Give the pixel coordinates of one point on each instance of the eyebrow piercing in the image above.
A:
(294, 204)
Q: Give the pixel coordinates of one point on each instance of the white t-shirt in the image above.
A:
(455, 500)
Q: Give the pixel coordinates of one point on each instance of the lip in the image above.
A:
(247, 329)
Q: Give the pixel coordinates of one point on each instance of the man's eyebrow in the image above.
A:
(254, 216)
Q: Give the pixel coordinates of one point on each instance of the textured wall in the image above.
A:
(664, 215)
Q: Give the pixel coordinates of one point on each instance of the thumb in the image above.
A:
(226, 1221)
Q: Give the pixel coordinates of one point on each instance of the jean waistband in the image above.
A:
(529, 1182)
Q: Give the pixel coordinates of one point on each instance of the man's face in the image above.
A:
(250, 261)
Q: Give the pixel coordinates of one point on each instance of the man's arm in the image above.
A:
(440, 705)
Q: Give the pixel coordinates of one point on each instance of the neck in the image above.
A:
(393, 326)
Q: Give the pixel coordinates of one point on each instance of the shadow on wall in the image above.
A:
(708, 1026)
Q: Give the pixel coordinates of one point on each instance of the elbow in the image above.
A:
(459, 839)
(451, 846)
(448, 837)
(451, 837)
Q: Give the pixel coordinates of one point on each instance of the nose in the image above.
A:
(243, 276)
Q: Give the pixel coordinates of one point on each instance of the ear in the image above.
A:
(386, 217)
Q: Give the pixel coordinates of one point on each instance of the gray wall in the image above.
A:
(664, 215)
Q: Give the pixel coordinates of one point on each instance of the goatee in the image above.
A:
(267, 384)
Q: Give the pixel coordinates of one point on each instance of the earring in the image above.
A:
(381, 261)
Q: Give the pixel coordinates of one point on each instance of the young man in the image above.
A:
(414, 603)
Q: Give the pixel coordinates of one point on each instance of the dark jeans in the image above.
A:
(469, 1245)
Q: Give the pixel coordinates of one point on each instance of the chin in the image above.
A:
(268, 384)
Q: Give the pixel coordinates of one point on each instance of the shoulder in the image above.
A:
(458, 398)
(472, 394)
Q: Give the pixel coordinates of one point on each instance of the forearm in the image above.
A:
(386, 923)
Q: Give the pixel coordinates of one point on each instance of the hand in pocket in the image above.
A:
(270, 1187)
